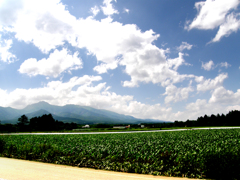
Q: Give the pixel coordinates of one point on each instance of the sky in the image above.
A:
(168, 60)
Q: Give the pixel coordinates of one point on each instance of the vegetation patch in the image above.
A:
(194, 153)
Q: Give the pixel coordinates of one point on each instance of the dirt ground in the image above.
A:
(14, 169)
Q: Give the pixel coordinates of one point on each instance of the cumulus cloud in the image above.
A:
(5, 54)
(108, 40)
(108, 8)
(49, 25)
(221, 101)
(175, 94)
(224, 64)
(143, 61)
(208, 65)
(151, 65)
(94, 10)
(57, 63)
(231, 108)
(223, 96)
(232, 24)
(84, 93)
(200, 108)
(126, 10)
(46, 24)
(141, 110)
(55, 92)
(210, 84)
(212, 14)
(184, 46)
(104, 67)
(9, 11)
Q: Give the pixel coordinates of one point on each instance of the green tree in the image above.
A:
(23, 123)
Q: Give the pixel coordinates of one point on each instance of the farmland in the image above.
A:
(193, 153)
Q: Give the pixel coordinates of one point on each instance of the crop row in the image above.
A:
(194, 153)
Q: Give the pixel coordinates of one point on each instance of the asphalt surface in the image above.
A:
(15, 169)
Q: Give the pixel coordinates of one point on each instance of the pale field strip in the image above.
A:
(118, 132)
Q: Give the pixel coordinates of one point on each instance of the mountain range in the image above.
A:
(70, 113)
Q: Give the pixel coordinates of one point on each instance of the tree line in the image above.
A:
(232, 118)
(48, 123)
(41, 123)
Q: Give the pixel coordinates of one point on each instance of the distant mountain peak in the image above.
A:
(40, 103)
(72, 113)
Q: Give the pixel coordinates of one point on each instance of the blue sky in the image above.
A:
(168, 60)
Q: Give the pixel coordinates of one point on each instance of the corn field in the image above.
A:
(194, 153)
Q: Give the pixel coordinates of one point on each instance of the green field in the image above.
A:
(194, 153)
(120, 130)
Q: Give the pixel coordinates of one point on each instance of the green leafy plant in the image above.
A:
(196, 154)
(2, 145)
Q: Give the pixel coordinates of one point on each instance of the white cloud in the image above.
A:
(199, 108)
(151, 65)
(176, 62)
(224, 64)
(202, 107)
(108, 8)
(44, 23)
(143, 61)
(210, 84)
(184, 46)
(86, 94)
(94, 10)
(221, 101)
(57, 63)
(126, 10)
(212, 13)
(215, 13)
(208, 65)
(5, 54)
(48, 25)
(223, 96)
(175, 94)
(199, 79)
(55, 92)
(104, 67)
(231, 108)
(100, 96)
(141, 110)
(108, 40)
(232, 24)
(9, 11)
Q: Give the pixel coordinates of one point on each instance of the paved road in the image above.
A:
(14, 169)
(117, 131)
